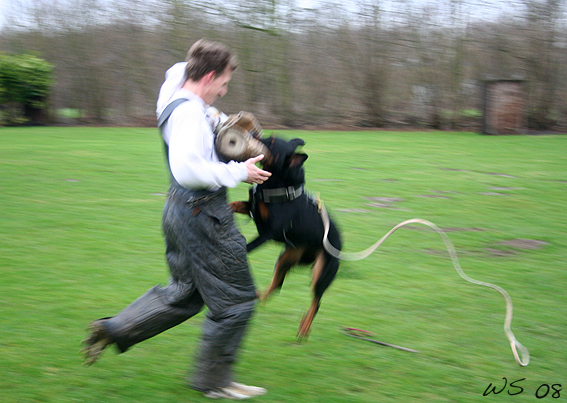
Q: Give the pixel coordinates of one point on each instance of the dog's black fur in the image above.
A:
(296, 223)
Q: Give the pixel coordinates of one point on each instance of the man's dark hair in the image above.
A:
(206, 56)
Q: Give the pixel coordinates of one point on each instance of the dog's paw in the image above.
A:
(304, 329)
(263, 297)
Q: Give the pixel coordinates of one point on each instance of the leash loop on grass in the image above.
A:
(521, 353)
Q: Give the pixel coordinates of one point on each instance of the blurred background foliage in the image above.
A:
(25, 83)
(415, 63)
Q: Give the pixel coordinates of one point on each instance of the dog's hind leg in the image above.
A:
(286, 261)
(324, 272)
(305, 325)
(307, 320)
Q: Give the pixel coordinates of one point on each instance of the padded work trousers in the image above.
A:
(207, 260)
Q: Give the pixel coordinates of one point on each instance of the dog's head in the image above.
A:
(284, 162)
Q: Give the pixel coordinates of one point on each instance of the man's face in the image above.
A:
(217, 86)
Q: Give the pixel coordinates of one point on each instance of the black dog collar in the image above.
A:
(279, 195)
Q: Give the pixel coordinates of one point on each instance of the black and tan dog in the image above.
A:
(283, 212)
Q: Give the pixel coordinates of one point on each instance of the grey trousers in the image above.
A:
(207, 260)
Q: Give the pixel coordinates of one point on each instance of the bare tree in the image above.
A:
(359, 62)
(543, 57)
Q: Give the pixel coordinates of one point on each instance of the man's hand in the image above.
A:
(255, 174)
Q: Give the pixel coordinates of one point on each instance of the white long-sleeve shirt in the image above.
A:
(193, 160)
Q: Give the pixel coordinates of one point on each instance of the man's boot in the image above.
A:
(96, 342)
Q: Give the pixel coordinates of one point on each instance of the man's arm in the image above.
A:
(191, 154)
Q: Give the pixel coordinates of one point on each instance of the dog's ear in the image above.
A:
(296, 143)
(297, 159)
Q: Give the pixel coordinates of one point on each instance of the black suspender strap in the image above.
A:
(161, 120)
(168, 110)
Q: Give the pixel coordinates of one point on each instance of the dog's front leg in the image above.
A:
(286, 261)
(241, 207)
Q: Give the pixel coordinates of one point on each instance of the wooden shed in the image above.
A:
(503, 106)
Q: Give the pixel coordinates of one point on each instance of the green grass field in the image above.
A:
(80, 238)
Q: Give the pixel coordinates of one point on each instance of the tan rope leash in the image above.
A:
(521, 353)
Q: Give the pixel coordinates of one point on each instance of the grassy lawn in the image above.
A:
(80, 238)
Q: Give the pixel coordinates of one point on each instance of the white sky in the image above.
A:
(2, 11)
(474, 8)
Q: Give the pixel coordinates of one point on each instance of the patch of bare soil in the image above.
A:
(384, 202)
(486, 173)
(500, 174)
(532, 244)
(459, 229)
(354, 210)
(445, 229)
(500, 253)
(517, 246)
(500, 188)
(456, 170)
(461, 252)
(433, 196)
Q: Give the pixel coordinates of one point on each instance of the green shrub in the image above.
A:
(25, 82)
